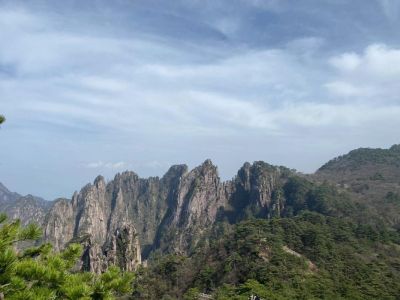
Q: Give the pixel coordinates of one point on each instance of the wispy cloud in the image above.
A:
(150, 84)
(108, 165)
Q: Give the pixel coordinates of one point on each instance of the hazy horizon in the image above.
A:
(99, 87)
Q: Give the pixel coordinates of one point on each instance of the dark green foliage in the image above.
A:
(356, 158)
(392, 198)
(359, 157)
(377, 176)
(169, 277)
(296, 191)
(2, 119)
(38, 273)
(309, 256)
(301, 194)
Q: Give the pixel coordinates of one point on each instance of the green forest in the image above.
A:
(320, 249)
(323, 249)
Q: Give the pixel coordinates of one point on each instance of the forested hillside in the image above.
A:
(325, 245)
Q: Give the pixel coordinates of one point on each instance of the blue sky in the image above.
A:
(99, 87)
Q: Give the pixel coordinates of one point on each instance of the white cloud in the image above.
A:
(373, 74)
(107, 165)
(346, 62)
(346, 89)
(382, 61)
(377, 61)
(339, 116)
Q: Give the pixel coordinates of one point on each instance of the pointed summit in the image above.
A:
(99, 181)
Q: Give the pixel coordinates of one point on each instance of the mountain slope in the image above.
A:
(26, 208)
(371, 176)
(309, 256)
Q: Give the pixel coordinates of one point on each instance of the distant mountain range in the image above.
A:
(124, 220)
(26, 208)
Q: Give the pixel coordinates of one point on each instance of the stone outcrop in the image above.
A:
(120, 221)
(255, 188)
(97, 218)
(193, 208)
(121, 248)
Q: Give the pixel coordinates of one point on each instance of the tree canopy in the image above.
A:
(308, 256)
(2, 119)
(39, 273)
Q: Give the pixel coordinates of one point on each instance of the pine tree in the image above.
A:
(39, 273)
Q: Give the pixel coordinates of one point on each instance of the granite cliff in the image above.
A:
(128, 217)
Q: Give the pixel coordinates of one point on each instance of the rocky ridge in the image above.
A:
(128, 217)
(124, 220)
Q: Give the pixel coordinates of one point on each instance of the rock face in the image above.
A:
(193, 207)
(121, 220)
(98, 218)
(256, 188)
(201, 199)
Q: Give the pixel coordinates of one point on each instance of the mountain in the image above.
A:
(364, 165)
(192, 226)
(371, 176)
(6, 196)
(329, 235)
(26, 208)
(169, 214)
(175, 213)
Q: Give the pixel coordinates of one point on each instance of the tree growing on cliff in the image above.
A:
(39, 273)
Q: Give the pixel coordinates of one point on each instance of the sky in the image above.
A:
(100, 87)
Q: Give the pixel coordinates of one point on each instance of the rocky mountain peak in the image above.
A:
(126, 175)
(7, 196)
(3, 188)
(208, 163)
(99, 182)
(176, 171)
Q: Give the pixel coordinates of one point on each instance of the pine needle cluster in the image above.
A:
(40, 273)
